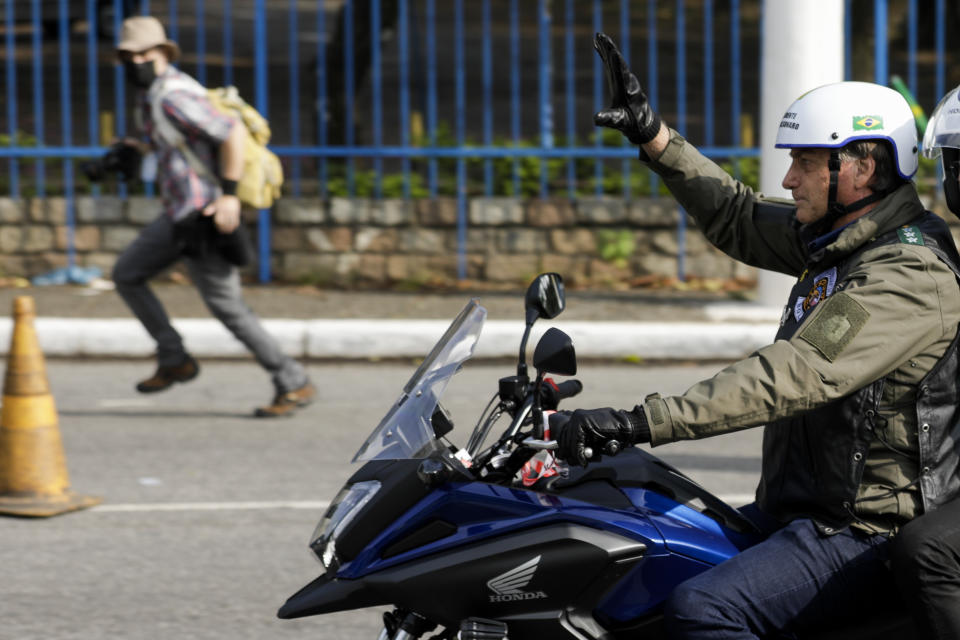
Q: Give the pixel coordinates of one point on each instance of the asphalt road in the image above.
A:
(207, 511)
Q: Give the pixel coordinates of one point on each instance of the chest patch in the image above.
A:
(823, 286)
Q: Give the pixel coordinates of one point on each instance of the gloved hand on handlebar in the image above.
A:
(596, 429)
(629, 112)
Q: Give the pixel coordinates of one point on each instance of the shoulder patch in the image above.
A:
(910, 234)
(838, 322)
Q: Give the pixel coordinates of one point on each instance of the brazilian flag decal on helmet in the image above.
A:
(867, 123)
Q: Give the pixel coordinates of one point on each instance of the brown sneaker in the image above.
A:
(284, 404)
(166, 376)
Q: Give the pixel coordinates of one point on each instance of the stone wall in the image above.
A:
(392, 242)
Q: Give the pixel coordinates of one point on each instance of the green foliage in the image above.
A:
(746, 170)
(615, 245)
(638, 178)
(529, 169)
(365, 184)
(636, 181)
(393, 185)
(52, 167)
(615, 177)
(19, 139)
(444, 136)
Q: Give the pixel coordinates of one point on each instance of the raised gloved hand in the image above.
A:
(629, 111)
(596, 429)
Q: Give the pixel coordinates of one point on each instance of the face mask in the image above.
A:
(140, 75)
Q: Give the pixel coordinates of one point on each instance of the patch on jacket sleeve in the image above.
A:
(838, 322)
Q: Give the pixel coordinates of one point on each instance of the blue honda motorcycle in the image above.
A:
(499, 540)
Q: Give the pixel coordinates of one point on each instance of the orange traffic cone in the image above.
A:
(33, 470)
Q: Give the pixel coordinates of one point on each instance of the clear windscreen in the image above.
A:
(406, 431)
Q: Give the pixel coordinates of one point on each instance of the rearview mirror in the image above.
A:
(555, 354)
(545, 297)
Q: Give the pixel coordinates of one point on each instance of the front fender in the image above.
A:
(327, 594)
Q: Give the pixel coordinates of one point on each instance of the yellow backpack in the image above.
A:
(262, 175)
(262, 172)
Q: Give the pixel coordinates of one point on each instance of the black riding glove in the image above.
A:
(629, 111)
(597, 429)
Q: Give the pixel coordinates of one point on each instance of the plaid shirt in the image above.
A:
(181, 187)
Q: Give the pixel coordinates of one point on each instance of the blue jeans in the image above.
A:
(796, 579)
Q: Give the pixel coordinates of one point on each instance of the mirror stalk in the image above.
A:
(522, 360)
(537, 411)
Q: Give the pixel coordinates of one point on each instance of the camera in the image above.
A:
(121, 160)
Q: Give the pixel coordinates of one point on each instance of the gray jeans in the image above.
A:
(156, 248)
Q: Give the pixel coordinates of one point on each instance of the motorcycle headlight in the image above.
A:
(344, 508)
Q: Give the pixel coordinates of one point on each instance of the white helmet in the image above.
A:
(836, 114)
(943, 128)
(942, 138)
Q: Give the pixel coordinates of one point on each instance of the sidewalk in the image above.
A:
(633, 326)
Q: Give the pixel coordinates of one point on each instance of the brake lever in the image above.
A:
(543, 445)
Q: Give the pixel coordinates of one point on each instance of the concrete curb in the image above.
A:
(371, 339)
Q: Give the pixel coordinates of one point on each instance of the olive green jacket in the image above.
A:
(908, 305)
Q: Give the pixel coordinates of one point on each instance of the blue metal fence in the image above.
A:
(474, 89)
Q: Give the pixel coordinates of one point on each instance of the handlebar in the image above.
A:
(568, 389)
(611, 448)
(551, 393)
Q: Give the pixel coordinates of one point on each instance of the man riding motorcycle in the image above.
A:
(855, 392)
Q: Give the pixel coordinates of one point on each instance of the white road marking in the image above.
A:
(142, 507)
(123, 403)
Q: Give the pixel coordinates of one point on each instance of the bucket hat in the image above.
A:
(140, 33)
